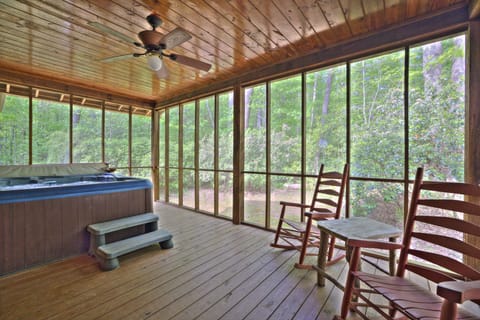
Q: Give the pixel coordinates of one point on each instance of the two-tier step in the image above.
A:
(108, 253)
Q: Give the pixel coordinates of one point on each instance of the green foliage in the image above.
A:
(173, 131)
(189, 135)
(87, 135)
(377, 117)
(14, 131)
(326, 119)
(141, 141)
(437, 112)
(50, 132)
(378, 122)
(286, 125)
(116, 138)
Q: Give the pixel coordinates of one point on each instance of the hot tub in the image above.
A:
(43, 216)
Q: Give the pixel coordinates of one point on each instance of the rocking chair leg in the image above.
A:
(280, 222)
(303, 251)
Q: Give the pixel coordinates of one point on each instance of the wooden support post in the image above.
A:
(70, 131)
(103, 131)
(303, 181)
(216, 157)
(472, 123)
(167, 155)
(30, 126)
(268, 162)
(197, 155)
(155, 145)
(130, 139)
(180, 155)
(238, 154)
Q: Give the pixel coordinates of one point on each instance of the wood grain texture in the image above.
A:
(6, 228)
(437, 255)
(18, 242)
(472, 147)
(42, 231)
(54, 40)
(474, 9)
(409, 32)
(216, 270)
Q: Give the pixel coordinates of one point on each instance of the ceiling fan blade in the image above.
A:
(117, 58)
(175, 38)
(163, 72)
(107, 30)
(194, 63)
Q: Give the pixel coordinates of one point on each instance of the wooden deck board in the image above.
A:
(182, 277)
(135, 280)
(216, 270)
(64, 279)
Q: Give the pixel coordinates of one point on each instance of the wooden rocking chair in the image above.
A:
(301, 235)
(441, 259)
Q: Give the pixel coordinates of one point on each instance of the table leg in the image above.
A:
(391, 262)
(392, 258)
(348, 256)
(322, 258)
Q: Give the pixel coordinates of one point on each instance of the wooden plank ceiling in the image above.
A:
(56, 40)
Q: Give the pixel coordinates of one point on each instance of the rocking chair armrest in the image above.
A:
(459, 291)
(320, 215)
(373, 244)
(294, 204)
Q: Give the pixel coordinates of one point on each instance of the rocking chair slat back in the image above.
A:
(442, 216)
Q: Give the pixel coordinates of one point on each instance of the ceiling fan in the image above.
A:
(154, 44)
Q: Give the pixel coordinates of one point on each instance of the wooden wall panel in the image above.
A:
(35, 224)
(133, 200)
(148, 201)
(84, 211)
(36, 232)
(3, 226)
(6, 239)
(53, 230)
(123, 200)
(99, 208)
(18, 236)
(69, 225)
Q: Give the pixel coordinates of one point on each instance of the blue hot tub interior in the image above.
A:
(42, 182)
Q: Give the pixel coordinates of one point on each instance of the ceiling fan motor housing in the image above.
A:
(151, 40)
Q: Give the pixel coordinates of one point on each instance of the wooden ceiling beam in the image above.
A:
(451, 20)
(25, 78)
(474, 9)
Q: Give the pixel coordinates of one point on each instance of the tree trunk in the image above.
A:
(458, 66)
(314, 99)
(261, 118)
(210, 114)
(326, 97)
(432, 72)
(248, 94)
(76, 117)
(322, 142)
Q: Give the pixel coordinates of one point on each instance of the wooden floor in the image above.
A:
(216, 270)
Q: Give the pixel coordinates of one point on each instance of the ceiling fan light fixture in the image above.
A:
(154, 62)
